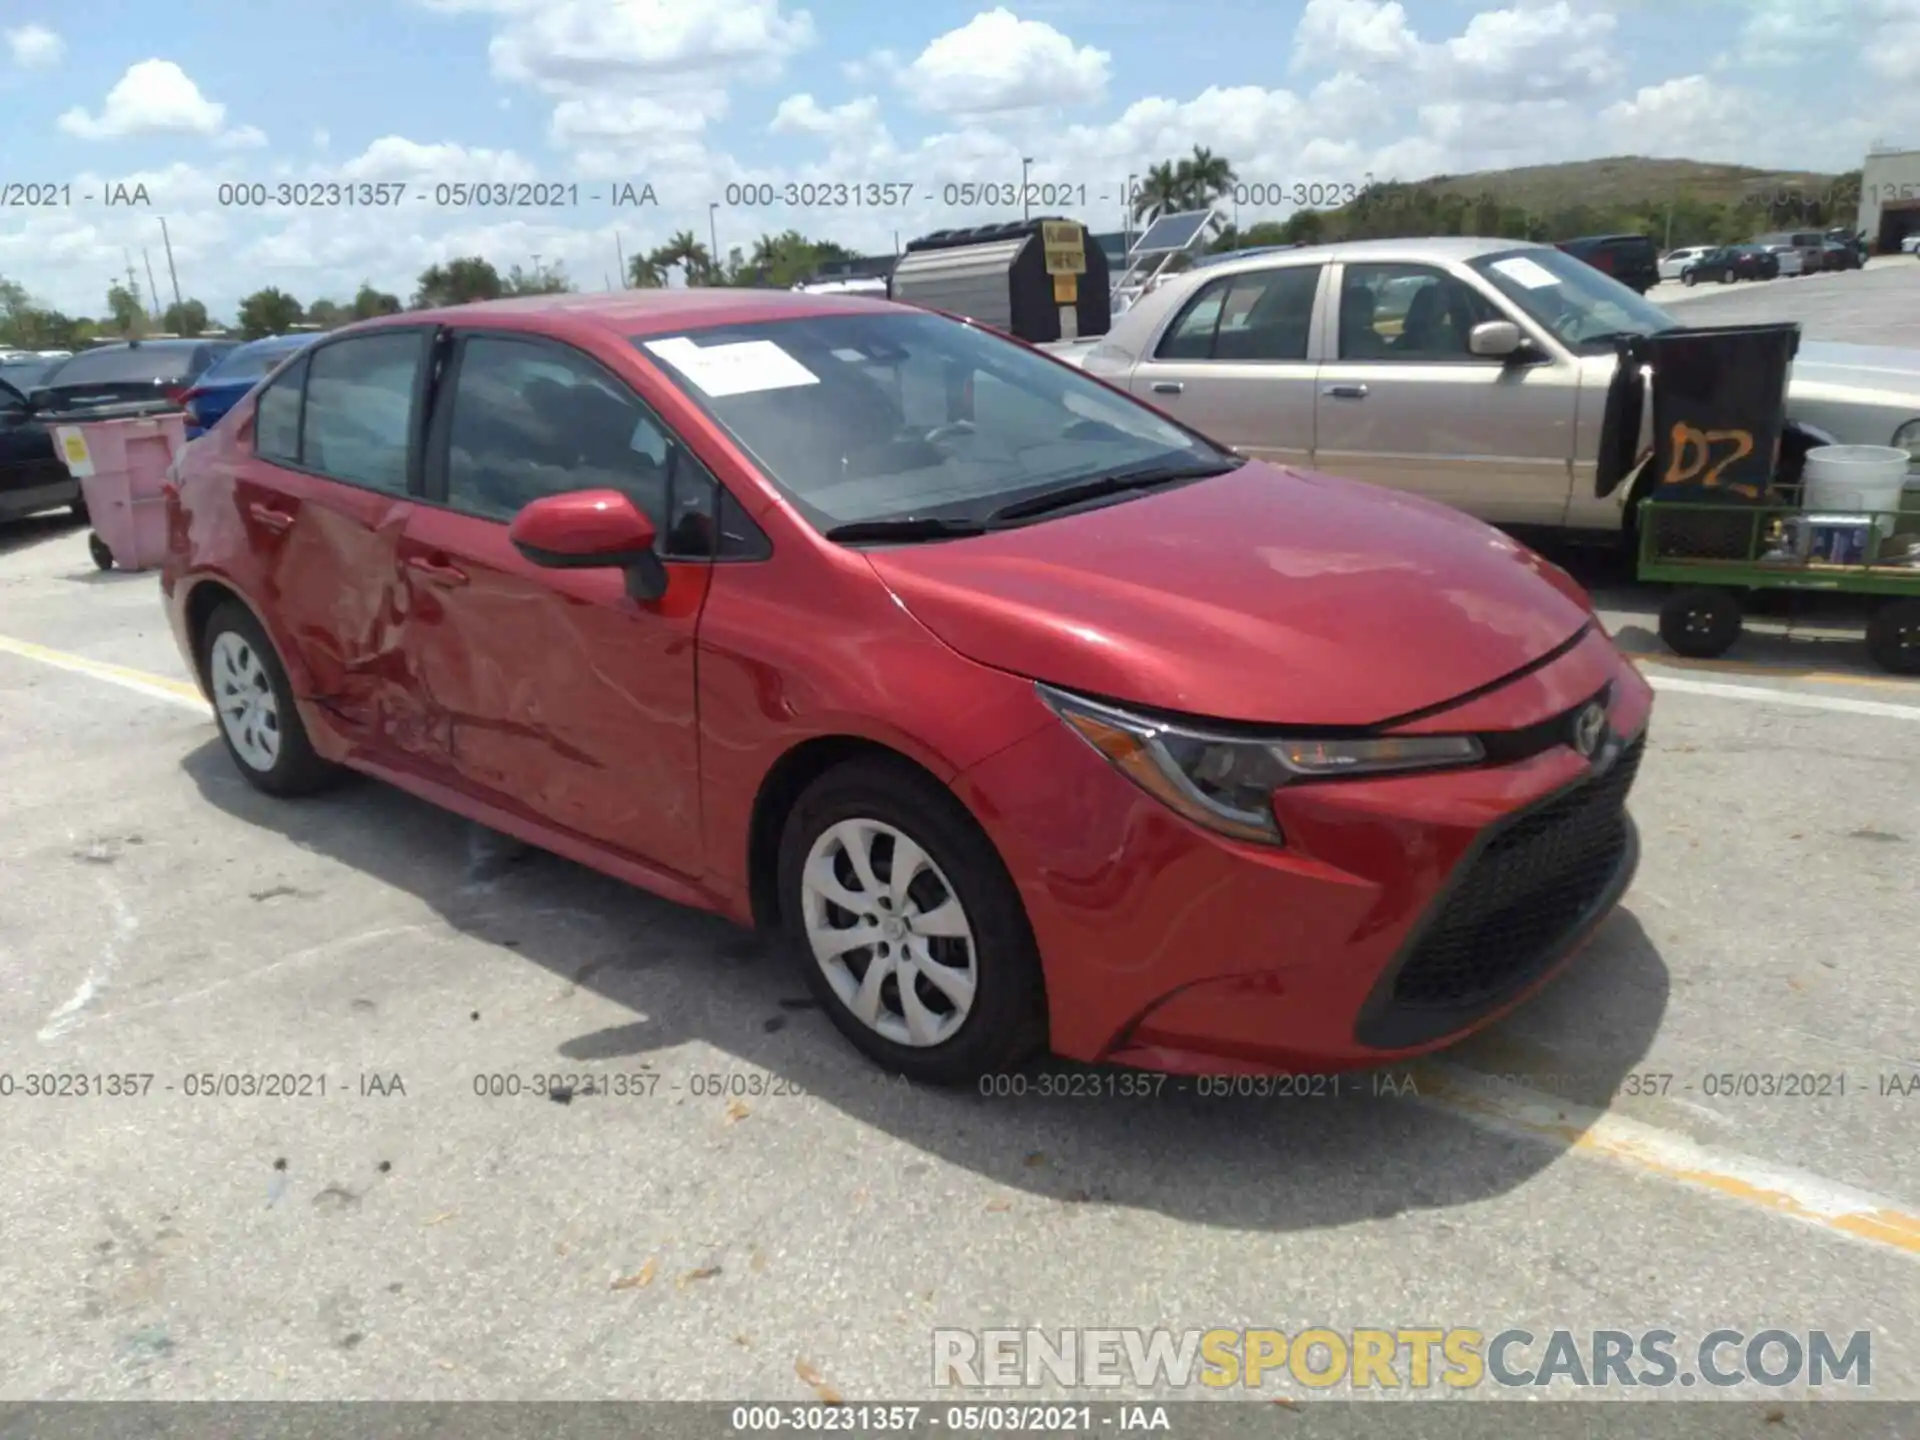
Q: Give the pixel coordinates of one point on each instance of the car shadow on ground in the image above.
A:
(22, 534)
(1054, 1131)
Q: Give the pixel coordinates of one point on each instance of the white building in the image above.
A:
(1890, 198)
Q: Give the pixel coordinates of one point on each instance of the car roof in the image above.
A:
(644, 312)
(1424, 247)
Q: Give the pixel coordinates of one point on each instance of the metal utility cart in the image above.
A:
(1719, 552)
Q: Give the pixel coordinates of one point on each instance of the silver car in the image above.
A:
(1472, 371)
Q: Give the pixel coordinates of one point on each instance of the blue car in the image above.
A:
(226, 383)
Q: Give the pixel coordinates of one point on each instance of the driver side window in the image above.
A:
(530, 420)
(1411, 313)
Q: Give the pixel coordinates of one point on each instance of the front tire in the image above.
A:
(907, 927)
(253, 705)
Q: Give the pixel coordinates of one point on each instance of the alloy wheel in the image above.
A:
(889, 932)
(243, 695)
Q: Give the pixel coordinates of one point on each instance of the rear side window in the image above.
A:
(359, 411)
(1265, 315)
(132, 364)
(276, 419)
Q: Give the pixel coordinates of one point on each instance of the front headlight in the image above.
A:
(1907, 438)
(1226, 782)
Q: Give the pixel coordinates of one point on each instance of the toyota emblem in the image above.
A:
(1589, 726)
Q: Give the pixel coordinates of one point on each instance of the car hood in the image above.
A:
(1867, 372)
(1265, 595)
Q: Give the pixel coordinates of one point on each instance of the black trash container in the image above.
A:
(1719, 409)
(1719, 398)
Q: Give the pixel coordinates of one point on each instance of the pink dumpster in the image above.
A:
(121, 464)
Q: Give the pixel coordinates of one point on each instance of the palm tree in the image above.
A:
(689, 254)
(1160, 188)
(1209, 177)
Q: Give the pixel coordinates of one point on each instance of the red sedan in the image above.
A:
(1029, 717)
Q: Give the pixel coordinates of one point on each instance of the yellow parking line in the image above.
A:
(159, 687)
(1600, 1134)
(1467, 1094)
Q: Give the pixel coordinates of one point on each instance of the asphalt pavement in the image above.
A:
(764, 1215)
(1879, 305)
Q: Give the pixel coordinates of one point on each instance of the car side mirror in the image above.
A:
(591, 530)
(1497, 340)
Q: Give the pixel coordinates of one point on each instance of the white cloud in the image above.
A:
(1333, 34)
(803, 115)
(157, 97)
(35, 47)
(1690, 117)
(998, 62)
(570, 47)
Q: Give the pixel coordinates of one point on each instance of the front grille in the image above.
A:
(1511, 909)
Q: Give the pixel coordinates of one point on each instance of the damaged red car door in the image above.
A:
(324, 499)
(558, 694)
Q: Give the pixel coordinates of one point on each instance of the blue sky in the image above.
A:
(692, 96)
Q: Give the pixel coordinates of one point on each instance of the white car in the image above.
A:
(1674, 263)
(1911, 245)
(1486, 393)
(1792, 262)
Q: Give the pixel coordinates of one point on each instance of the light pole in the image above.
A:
(1126, 211)
(713, 233)
(536, 269)
(1026, 201)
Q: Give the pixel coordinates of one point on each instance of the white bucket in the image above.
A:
(1855, 477)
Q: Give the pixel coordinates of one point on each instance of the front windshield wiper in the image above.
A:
(906, 527)
(1104, 485)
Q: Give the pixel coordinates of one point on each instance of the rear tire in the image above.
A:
(254, 708)
(97, 548)
(961, 994)
(1700, 622)
(1893, 637)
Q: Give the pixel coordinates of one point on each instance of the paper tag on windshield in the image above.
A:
(1530, 273)
(738, 369)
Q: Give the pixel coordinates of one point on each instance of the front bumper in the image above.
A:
(1402, 913)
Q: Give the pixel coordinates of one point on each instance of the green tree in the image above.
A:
(185, 317)
(1162, 187)
(547, 280)
(31, 326)
(369, 302)
(127, 309)
(457, 282)
(268, 312)
(328, 314)
(690, 255)
(644, 274)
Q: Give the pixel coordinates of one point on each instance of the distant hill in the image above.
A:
(1636, 179)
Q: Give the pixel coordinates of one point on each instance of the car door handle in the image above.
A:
(278, 521)
(1167, 387)
(1346, 392)
(439, 572)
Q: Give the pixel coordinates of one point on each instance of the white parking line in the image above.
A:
(1767, 695)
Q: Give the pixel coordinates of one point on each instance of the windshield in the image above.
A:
(24, 375)
(251, 362)
(868, 417)
(1583, 308)
(126, 364)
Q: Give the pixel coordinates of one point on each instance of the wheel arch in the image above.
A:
(780, 789)
(206, 595)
